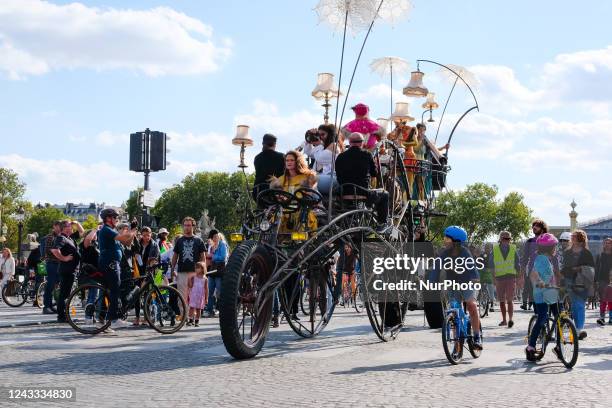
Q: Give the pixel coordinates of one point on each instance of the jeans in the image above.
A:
(52, 279)
(112, 281)
(541, 310)
(213, 284)
(578, 311)
(66, 281)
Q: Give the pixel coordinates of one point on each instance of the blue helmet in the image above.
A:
(456, 233)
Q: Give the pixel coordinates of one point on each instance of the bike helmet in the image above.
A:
(456, 233)
(547, 239)
(108, 212)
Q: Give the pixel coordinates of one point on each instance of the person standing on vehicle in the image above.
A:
(267, 163)
(188, 250)
(538, 227)
(52, 266)
(579, 273)
(220, 254)
(603, 277)
(505, 266)
(109, 242)
(67, 251)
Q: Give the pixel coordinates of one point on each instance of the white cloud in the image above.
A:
(38, 36)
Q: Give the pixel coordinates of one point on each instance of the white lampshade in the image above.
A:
(430, 103)
(325, 86)
(402, 112)
(383, 123)
(242, 136)
(415, 87)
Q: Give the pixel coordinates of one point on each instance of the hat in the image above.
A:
(361, 109)
(505, 234)
(162, 231)
(566, 236)
(356, 137)
(269, 139)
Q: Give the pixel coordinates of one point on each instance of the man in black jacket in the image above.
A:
(267, 163)
(356, 166)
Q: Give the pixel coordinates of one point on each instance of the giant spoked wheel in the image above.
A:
(86, 309)
(243, 327)
(319, 302)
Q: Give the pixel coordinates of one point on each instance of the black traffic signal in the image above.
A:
(157, 143)
(148, 151)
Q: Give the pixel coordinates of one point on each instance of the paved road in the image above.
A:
(345, 366)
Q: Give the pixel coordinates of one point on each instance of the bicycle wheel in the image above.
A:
(40, 294)
(14, 293)
(484, 302)
(474, 351)
(305, 301)
(567, 342)
(451, 341)
(541, 341)
(165, 309)
(358, 300)
(89, 316)
(243, 330)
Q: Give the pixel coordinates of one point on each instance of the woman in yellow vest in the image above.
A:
(297, 175)
(505, 267)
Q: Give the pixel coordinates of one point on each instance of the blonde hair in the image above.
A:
(581, 236)
(201, 265)
(9, 252)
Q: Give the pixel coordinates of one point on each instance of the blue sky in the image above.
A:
(77, 78)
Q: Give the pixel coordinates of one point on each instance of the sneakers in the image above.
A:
(190, 322)
(524, 306)
(582, 335)
(510, 324)
(601, 321)
(47, 310)
(89, 321)
(196, 323)
(118, 324)
(478, 343)
(530, 353)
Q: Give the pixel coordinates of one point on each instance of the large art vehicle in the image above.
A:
(284, 260)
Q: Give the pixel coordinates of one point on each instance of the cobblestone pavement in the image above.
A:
(345, 366)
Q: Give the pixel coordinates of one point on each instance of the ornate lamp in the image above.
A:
(243, 140)
(384, 124)
(402, 112)
(324, 90)
(430, 104)
(415, 87)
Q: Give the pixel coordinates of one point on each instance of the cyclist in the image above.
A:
(109, 242)
(542, 274)
(346, 267)
(454, 249)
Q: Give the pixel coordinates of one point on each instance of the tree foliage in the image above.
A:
(222, 194)
(478, 210)
(41, 220)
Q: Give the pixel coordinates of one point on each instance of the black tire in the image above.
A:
(540, 346)
(358, 300)
(434, 313)
(484, 303)
(568, 337)
(248, 269)
(13, 293)
(453, 345)
(165, 309)
(78, 310)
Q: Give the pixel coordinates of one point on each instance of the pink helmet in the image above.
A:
(547, 239)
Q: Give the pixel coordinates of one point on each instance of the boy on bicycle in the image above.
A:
(454, 238)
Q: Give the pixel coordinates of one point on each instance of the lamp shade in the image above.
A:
(430, 103)
(402, 112)
(242, 136)
(415, 87)
(325, 86)
(383, 123)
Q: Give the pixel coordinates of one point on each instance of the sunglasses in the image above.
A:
(505, 238)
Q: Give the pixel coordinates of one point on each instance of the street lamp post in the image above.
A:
(244, 140)
(19, 217)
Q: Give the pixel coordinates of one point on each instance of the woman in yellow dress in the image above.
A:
(297, 175)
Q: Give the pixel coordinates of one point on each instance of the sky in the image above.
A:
(76, 78)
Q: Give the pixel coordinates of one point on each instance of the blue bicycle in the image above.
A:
(456, 329)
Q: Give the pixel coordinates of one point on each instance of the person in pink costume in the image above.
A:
(362, 124)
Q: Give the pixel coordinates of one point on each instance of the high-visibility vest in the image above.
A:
(504, 267)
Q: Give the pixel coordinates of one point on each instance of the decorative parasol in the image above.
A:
(388, 66)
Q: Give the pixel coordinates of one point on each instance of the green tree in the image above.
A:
(90, 223)
(42, 219)
(12, 191)
(222, 194)
(131, 205)
(474, 209)
(513, 215)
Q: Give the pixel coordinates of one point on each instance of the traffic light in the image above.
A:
(148, 151)
(137, 152)
(157, 143)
